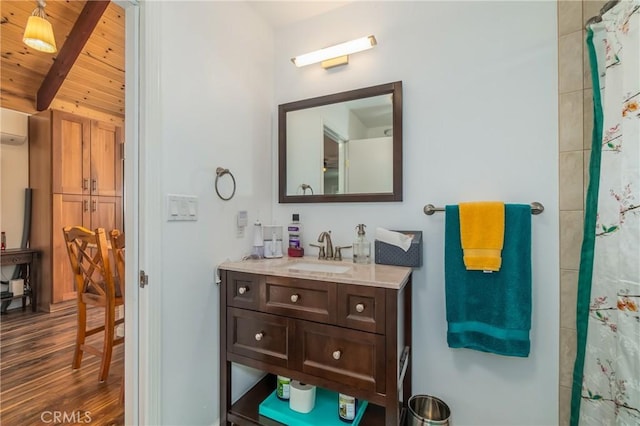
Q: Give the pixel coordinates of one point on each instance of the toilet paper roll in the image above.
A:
(302, 397)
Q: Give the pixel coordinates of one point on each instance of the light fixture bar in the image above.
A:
(337, 51)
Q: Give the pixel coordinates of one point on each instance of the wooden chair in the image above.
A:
(95, 284)
(117, 250)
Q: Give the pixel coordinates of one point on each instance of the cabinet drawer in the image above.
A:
(243, 290)
(347, 356)
(306, 299)
(258, 336)
(362, 308)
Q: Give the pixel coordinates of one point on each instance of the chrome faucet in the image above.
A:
(325, 237)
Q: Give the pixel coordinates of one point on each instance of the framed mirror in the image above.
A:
(344, 147)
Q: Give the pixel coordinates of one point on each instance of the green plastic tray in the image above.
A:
(325, 411)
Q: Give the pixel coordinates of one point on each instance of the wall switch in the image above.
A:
(182, 207)
(242, 219)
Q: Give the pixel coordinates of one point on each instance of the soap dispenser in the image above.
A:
(361, 247)
(257, 252)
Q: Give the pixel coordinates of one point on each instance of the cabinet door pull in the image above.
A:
(337, 354)
(360, 307)
(85, 184)
(259, 336)
(94, 204)
(85, 205)
(94, 185)
(294, 298)
(243, 290)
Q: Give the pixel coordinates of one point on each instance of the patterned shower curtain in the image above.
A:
(606, 382)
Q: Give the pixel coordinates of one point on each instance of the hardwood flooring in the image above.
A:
(37, 384)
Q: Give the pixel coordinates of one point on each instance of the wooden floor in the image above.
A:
(36, 379)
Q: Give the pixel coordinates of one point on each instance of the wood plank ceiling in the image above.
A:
(93, 88)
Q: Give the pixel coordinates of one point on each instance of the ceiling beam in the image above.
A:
(71, 49)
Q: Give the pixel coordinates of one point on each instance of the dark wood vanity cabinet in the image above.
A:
(349, 338)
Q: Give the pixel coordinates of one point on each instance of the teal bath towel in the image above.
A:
(490, 312)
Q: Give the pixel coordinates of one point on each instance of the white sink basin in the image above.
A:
(320, 267)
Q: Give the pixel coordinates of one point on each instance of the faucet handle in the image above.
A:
(338, 253)
(321, 254)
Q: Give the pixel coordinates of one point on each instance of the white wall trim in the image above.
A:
(150, 203)
(131, 210)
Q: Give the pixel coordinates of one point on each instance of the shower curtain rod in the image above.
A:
(598, 18)
(429, 209)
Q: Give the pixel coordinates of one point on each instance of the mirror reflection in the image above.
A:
(342, 147)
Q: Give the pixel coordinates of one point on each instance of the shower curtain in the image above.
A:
(606, 378)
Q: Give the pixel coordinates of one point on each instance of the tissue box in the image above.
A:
(387, 254)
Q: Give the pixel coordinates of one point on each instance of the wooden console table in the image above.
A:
(30, 258)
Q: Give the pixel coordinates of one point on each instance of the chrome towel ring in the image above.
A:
(219, 173)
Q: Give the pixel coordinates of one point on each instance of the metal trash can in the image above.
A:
(427, 410)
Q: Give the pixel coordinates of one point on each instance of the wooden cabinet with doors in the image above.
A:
(75, 170)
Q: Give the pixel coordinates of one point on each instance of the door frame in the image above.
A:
(142, 327)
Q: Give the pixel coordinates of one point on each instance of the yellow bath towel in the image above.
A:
(482, 234)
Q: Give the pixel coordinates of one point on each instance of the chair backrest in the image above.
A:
(117, 249)
(89, 256)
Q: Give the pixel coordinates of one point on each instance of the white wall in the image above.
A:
(480, 122)
(14, 178)
(14, 170)
(216, 100)
(370, 165)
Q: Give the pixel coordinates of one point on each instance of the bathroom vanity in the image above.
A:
(336, 325)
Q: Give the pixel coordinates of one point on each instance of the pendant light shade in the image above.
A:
(38, 33)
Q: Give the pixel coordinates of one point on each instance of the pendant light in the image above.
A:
(38, 33)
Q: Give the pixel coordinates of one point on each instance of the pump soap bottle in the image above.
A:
(361, 247)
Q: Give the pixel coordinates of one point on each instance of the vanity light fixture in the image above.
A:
(334, 56)
(38, 33)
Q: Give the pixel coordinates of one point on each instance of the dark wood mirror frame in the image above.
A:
(395, 89)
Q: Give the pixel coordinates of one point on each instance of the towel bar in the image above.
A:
(429, 209)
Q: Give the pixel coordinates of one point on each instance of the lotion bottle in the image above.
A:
(361, 247)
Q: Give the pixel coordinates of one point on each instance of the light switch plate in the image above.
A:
(242, 219)
(182, 207)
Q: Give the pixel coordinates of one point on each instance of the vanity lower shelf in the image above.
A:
(245, 410)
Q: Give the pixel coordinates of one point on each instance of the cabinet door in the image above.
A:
(106, 212)
(68, 210)
(355, 358)
(70, 153)
(259, 336)
(106, 161)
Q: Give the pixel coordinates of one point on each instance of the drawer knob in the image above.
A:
(337, 354)
(242, 290)
(360, 307)
(294, 298)
(259, 336)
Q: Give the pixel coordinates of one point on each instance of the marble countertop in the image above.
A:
(312, 268)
